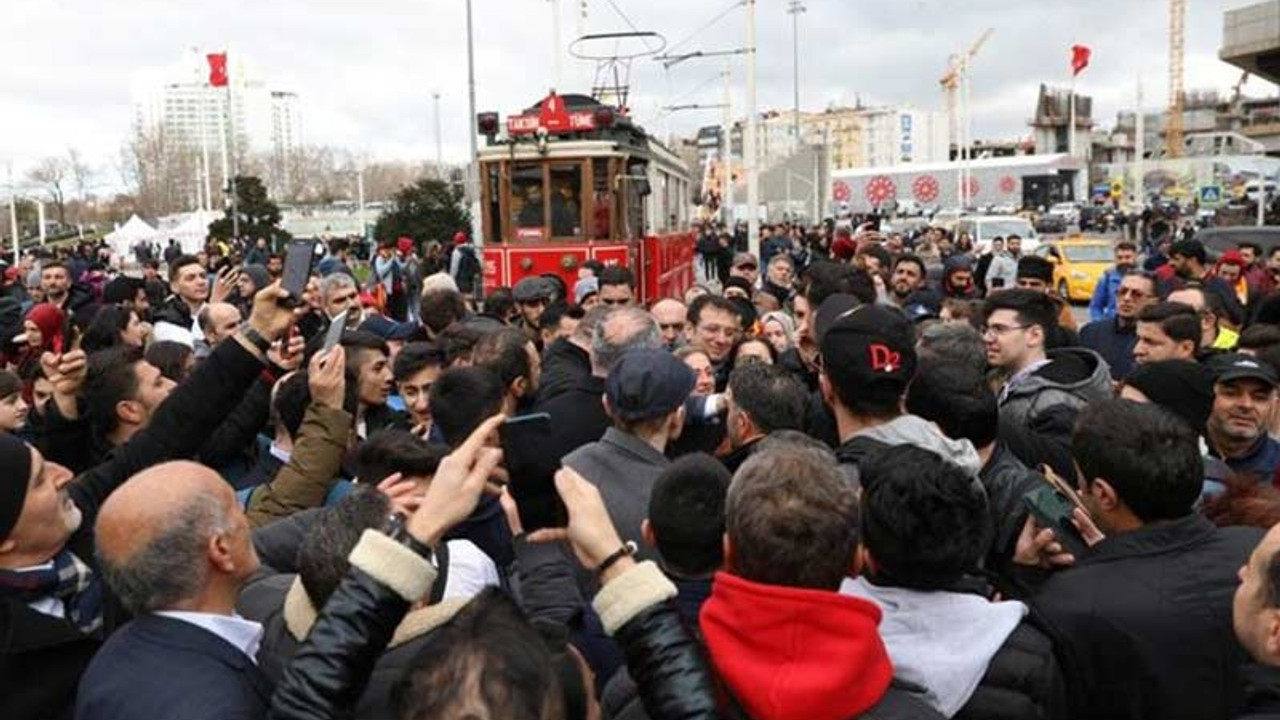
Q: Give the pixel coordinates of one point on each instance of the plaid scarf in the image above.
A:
(69, 580)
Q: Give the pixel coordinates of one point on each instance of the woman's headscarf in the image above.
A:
(52, 323)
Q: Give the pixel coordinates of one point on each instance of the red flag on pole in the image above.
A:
(218, 69)
(1079, 58)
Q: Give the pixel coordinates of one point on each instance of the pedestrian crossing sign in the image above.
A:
(1210, 194)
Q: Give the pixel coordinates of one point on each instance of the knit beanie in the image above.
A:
(1182, 387)
(15, 477)
(259, 275)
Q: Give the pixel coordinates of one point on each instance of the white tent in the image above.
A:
(192, 232)
(126, 236)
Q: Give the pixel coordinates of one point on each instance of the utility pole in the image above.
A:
(364, 226)
(749, 159)
(473, 178)
(13, 217)
(555, 44)
(726, 156)
(435, 96)
(794, 9)
(1139, 150)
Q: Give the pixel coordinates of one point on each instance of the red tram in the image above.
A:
(575, 180)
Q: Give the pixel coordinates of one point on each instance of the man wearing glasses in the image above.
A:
(1114, 338)
(1106, 294)
(1046, 388)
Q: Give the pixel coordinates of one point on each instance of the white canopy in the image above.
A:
(192, 232)
(126, 236)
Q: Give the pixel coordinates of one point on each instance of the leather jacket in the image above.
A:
(333, 665)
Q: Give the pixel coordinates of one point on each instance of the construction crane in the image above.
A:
(957, 69)
(1173, 138)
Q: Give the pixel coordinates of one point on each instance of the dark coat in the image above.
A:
(1143, 622)
(1262, 692)
(159, 667)
(577, 415)
(1113, 343)
(42, 657)
(1023, 681)
(564, 366)
(1006, 480)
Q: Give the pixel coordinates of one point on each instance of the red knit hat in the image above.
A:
(404, 245)
(459, 238)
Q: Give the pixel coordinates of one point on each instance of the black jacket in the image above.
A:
(1113, 343)
(1023, 681)
(1006, 480)
(1262, 692)
(158, 667)
(577, 415)
(564, 366)
(1143, 622)
(334, 663)
(42, 657)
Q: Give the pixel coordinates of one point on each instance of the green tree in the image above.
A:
(426, 210)
(259, 217)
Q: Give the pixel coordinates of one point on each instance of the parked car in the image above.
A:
(1069, 212)
(983, 229)
(1078, 264)
(1051, 224)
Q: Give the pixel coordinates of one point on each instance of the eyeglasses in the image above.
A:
(998, 329)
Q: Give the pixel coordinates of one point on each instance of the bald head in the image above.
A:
(173, 537)
(672, 317)
(218, 321)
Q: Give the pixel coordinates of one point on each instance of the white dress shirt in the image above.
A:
(244, 635)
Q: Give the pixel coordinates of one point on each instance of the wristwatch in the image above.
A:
(254, 338)
(397, 530)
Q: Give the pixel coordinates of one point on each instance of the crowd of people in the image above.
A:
(858, 476)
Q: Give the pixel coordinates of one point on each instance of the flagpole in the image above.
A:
(235, 215)
(204, 145)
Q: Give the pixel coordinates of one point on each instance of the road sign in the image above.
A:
(1210, 194)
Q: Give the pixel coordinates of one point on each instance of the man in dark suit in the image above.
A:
(175, 547)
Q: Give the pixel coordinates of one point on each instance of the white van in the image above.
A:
(984, 228)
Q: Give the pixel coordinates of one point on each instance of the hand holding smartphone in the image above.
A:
(532, 471)
(1053, 505)
(299, 259)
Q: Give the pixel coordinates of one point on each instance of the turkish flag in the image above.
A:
(1079, 58)
(218, 69)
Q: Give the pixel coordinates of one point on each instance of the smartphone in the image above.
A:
(532, 471)
(334, 334)
(1052, 505)
(299, 258)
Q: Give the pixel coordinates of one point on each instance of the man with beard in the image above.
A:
(957, 278)
(1244, 395)
(1189, 258)
(1104, 303)
(907, 278)
(1114, 338)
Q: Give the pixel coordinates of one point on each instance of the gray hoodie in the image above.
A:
(941, 641)
(1073, 378)
(915, 430)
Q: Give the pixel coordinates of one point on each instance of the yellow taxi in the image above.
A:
(1078, 264)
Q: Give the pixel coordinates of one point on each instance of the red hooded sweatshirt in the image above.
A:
(792, 654)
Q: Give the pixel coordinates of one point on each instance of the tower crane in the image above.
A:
(957, 71)
(1173, 138)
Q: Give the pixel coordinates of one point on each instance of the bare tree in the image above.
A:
(81, 176)
(162, 173)
(52, 174)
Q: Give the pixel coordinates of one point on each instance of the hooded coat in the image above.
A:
(1056, 391)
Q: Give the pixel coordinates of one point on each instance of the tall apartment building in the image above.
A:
(265, 123)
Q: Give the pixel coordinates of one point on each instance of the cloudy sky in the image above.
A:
(365, 69)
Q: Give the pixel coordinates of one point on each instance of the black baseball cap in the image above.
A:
(1239, 366)
(832, 309)
(871, 346)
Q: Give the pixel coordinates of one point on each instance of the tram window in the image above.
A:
(566, 201)
(664, 216)
(603, 198)
(495, 206)
(527, 203)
